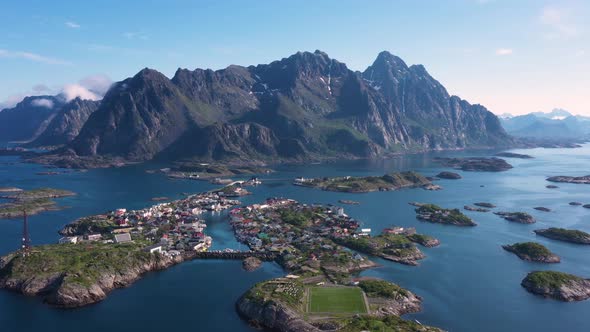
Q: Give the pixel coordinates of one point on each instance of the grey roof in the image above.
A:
(124, 237)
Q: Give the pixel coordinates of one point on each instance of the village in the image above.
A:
(302, 236)
(171, 228)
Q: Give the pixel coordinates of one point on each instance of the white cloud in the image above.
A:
(504, 51)
(135, 35)
(32, 57)
(559, 21)
(72, 25)
(580, 53)
(43, 102)
(91, 87)
(72, 91)
(99, 84)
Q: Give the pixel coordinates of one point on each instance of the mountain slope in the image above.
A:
(67, 123)
(306, 106)
(28, 118)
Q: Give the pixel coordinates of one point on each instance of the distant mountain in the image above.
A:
(307, 106)
(66, 123)
(28, 118)
(555, 124)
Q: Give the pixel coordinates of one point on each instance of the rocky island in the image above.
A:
(570, 179)
(514, 155)
(205, 171)
(70, 275)
(303, 304)
(557, 285)
(485, 205)
(32, 201)
(449, 175)
(566, 235)
(476, 209)
(532, 251)
(476, 164)
(518, 217)
(394, 244)
(436, 214)
(393, 181)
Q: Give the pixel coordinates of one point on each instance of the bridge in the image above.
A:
(264, 256)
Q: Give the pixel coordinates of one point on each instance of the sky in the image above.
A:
(512, 56)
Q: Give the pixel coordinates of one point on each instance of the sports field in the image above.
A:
(336, 300)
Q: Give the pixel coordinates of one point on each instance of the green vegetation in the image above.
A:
(336, 300)
(395, 247)
(391, 181)
(436, 214)
(382, 288)
(299, 218)
(79, 264)
(33, 201)
(287, 291)
(569, 235)
(385, 324)
(531, 249)
(550, 279)
(89, 225)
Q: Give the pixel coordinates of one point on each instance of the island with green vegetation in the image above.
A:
(518, 217)
(203, 171)
(485, 205)
(304, 304)
(475, 164)
(436, 214)
(570, 179)
(449, 175)
(394, 246)
(532, 251)
(350, 184)
(32, 201)
(557, 285)
(514, 155)
(566, 235)
(476, 209)
(72, 275)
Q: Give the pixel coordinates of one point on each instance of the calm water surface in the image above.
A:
(468, 283)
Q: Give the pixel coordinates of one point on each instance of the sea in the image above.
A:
(468, 283)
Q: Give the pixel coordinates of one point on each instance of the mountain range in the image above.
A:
(557, 124)
(304, 107)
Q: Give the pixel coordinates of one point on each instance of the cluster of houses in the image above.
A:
(170, 228)
(264, 228)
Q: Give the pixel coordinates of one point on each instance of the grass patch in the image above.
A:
(348, 300)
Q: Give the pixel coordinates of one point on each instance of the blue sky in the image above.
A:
(512, 56)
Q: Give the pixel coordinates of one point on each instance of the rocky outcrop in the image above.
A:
(476, 164)
(519, 217)
(514, 155)
(449, 175)
(566, 235)
(557, 285)
(570, 179)
(66, 290)
(531, 251)
(28, 118)
(272, 315)
(251, 264)
(67, 123)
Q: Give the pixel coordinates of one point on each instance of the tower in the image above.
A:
(26, 242)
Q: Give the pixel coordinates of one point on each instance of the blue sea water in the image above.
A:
(468, 283)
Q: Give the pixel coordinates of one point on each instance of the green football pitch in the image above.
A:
(336, 300)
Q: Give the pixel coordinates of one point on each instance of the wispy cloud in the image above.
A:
(43, 102)
(504, 51)
(32, 57)
(135, 35)
(72, 25)
(559, 21)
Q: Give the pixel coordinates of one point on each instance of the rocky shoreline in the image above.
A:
(63, 290)
(518, 217)
(566, 235)
(533, 252)
(570, 179)
(557, 285)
